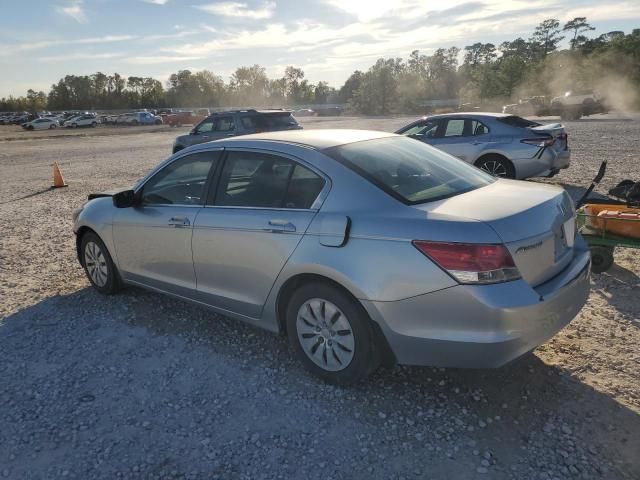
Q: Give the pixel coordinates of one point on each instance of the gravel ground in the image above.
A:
(138, 385)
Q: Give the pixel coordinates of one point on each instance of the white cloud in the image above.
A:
(80, 56)
(238, 9)
(75, 11)
(156, 2)
(159, 59)
(366, 9)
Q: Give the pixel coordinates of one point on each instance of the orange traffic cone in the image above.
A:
(58, 179)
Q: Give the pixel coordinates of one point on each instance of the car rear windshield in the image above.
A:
(270, 120)
(410, 170)
(515, 121)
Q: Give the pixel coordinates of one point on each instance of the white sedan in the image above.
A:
(40, 124)
(81, 121)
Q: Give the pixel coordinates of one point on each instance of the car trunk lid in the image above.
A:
(557, 132)
(535, 222)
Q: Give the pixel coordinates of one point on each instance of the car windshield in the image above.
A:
(409, 170)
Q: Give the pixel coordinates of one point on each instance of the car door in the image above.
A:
(462, 137)
(262, 206)
(153, 239)
(211, 129)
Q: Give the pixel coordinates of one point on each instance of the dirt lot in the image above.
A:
(142, 386)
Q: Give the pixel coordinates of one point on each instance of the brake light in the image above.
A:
(539, 142)
(471, 262)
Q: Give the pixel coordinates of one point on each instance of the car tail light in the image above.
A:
(471, 262)
(539, 142)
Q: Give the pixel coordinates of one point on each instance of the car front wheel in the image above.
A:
(331, 334)
(98, 264)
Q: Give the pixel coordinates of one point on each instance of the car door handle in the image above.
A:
(280, 226)
(179, 221)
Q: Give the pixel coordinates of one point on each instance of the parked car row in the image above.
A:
(15, 118)
(132, 119)
(503, 145)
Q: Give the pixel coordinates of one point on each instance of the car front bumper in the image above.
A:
(473, 326)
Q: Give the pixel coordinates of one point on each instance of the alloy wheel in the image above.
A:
(495, 168)
(325, 334)
(96, 264)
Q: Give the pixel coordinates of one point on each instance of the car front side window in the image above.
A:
(205, 127)
(182, 182)
(455, 128)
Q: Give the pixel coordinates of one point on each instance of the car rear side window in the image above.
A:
(252, 179)
(410, 171)
(478, 128)
(224, 124)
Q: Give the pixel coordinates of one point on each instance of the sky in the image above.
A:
(44, 40)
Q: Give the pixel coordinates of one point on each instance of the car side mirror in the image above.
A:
(193, 132)
(124, 199)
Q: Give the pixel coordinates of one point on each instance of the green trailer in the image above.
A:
(602, 243)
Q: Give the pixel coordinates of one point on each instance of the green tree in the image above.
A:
(577, 26)
(547, 36)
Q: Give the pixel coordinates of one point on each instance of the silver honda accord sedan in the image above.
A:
(364, 248)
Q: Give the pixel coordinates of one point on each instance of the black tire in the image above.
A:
(134, 123)
(500, 166)
(112, 283)
(366, 354)
(30, 127)
(601, 258)
(94, 124)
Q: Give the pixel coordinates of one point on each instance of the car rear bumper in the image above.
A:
(542, 163)
(482, 326)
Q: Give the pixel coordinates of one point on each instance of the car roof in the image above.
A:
(467, 114)
(318, 139)
(251, 111)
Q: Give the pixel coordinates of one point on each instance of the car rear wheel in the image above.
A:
(601, 258)
(98, 264)
(497, 166)
(94, 124)
(331, 334)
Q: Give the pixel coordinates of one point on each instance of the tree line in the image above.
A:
(487, 74)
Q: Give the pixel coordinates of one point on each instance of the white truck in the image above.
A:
(572, 106)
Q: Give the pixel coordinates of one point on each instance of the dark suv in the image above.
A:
(236, 122)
